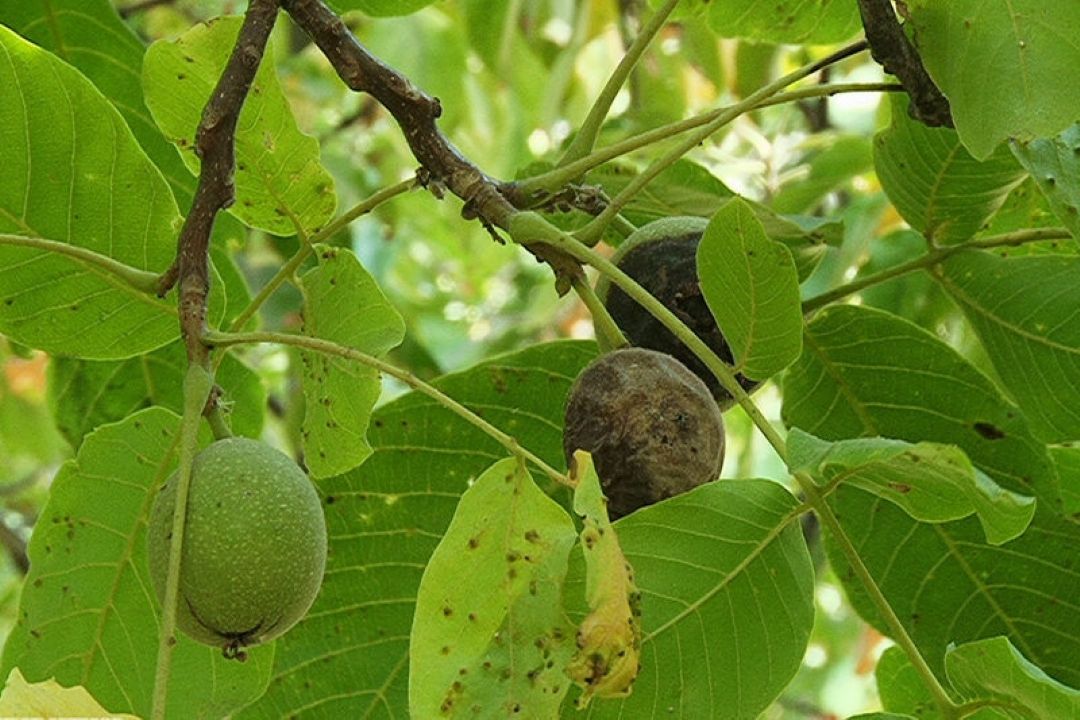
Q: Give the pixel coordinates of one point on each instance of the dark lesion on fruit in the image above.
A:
(667, 268)
(651, 425)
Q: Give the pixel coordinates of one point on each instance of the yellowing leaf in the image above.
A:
(609, 638)
(48, 699)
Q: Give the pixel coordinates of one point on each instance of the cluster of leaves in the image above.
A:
(950, 468)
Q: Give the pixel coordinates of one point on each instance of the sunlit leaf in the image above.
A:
(73, 173)
(752, 289)
(281, 186)
(49, 699)
(490, 635)
(342, 303)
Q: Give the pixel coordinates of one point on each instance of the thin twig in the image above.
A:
(327, 347)
(891, 48)
(215, 144)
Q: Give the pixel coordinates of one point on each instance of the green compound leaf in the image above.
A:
(944, 581)
(84, 394)
(1002, 65)
(1024, 311)
(281, 186)
(350, 656)
(752, 289)
(933, 483)
(786, 21)
(935, 184)
(1054, 163)
(73, 173)
(726, 594)
(994, 668)
(88, 614)
(489, 636)
(342, 303)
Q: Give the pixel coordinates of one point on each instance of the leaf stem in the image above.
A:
(141, 280)
(592, 232)
(197, 385)
(935, 255)
(585, 139)
(219, 339)
(556, 178)
(608, 334)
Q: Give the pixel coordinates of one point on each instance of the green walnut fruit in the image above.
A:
(254, 545)
(651, 425)
(662, 258)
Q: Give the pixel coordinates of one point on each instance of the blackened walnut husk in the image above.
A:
(666, 266)
(652, 427)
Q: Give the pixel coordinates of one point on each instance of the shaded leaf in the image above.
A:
(901, 689)
(1024, 310)
(498, 643)
(84, 394)
(993, 668)
(845, 385)
(933, 483)
(945, 583)
(88, 615)
(342, 303)
(1018, 43)
(934, 183)
(726, 585)
(1054, 163)
(752, 289)
(281, 186)
(349, 656)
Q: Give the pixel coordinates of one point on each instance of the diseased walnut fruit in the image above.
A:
(254, 545)
(662, 258)
(651, 425)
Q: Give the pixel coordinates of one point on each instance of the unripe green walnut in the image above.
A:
(254, 545)
(662, 258)
(652, 427)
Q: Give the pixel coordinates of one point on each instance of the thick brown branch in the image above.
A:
(415, 111)
(215, 144)
(894, 52)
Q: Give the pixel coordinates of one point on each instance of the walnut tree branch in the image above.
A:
(415, 111)
(417, 114)
(215, 144)
(891, 48)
